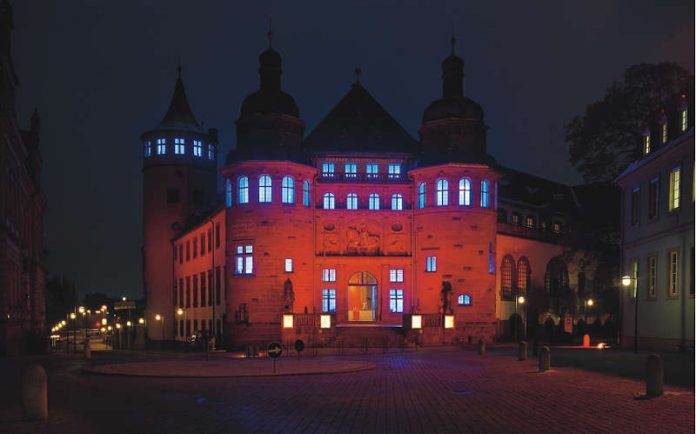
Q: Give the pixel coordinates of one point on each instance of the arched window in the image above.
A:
(305, 193)
(288, 193)
(374, 201)
(523, 275)
(397, 202)
(507, 276)
(465, 192)
(329, 201)
(485, 193)
(228, 193)
(243, 189)
(265, 191)
(352, 201)
(442, 192)
(556, 277)
(530, 222)
(463, 300)
(421, 195)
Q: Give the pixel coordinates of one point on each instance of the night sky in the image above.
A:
(102, 72)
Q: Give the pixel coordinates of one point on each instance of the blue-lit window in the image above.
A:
(397, 202)
(288, 192)
(374, 202)
(197, 148)
(328, 275)
(161, 146)
(465, 192)
(421, 195)
(431, 264)
(228, 193)
(179, 146)
(327, 170)
(265, 191)
(329, 201)
(442, 198)
(372, 170)
(305, 193)
(464, 300)
(491, 259)
(148, 148)
(352, 201)
(396, 275)
(211, 152)
(394, 171)
(485, 193)
(328, 300)
(351, 170)
(243, 190)
(396, 300)
(243, 259)
(288, 265)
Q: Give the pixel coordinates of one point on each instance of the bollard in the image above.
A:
(522, 351)
(87, 350)
(586, 341)
(34, 393)
(481, 347)
(654, 376)
(545, 359)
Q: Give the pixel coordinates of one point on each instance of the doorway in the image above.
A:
(362, 297)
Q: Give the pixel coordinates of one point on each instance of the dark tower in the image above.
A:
(453, 128)
(179, 179)
(8, 77)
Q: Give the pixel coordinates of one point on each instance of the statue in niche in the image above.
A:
(288, 295)
(360, 241)
(445, 298)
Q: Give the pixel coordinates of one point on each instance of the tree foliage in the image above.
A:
(606, 138)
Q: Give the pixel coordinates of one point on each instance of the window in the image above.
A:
(372, 170)
(217, 285)
(465, 192)
(188, 291)
(244, 260)
(327, 170)
(464, 300)
(646, 143)
(485, 193)
(421, 195)
(211, 152)
(663, 130)
(635, 206)
(210, 287)
(195, 248)
(396, 275)
(491, 259)
(674, 180)
(351, 170)
(179, 146)
(197, 148)
(202, 243)
(396, 300)
(515, 219)
(188, 250)
(181, 292)
(161, 146)
(556, 227)
(397, 202)
(210, 240)
(305, 193)
(352, 201)
(181, 253)
(328, 300)
(195, 290)
(329, 201)
(288, 265)
(506, 276)
(684, 119)
(431, 264)
(673, 277)
(265, 192)
(523, 273)
(442, 193)
(328, 275)
(394, 171)
(529, 222)
(651, 269)
(653, 198)
(217, 235)
(243, 190)
(374, 201)
(148, 148)
(288, 193)
(228, 193)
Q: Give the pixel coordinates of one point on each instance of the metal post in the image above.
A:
(635, 320)
(515, 327)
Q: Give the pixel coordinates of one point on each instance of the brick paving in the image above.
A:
(428, 391)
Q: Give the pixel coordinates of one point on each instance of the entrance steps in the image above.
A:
(368, 335)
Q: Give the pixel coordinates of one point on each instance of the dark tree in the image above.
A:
(61, 298)
(606, 138)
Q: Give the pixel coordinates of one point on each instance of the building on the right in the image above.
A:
(657, 232)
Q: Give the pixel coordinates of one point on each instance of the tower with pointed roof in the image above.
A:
(179, 181)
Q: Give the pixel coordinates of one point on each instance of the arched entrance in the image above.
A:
(362, 297)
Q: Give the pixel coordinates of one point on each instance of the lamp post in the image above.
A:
(588, 304)
(74, 326)
(182, 312)
(521, 300)
(159, 317)
(626, 281)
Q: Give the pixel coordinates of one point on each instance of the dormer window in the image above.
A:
(161, 146)
(646, 142)
(684, 117)
(179, 146)
(351, 170)
(394, 171)
(148, 148)
(197, 148)
(663, 132)
(372, 170)
(327, 170)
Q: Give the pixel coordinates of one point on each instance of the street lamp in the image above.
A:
(181, 311)
(159, 317)
(520, 300)
(588, 304)
(627, 281)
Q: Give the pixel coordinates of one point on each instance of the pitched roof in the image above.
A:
(358, 123)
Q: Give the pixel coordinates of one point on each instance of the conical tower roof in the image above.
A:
(179, 116)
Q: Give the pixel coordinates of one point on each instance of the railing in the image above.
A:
(523, 231)
(432, 320)
(363, 177)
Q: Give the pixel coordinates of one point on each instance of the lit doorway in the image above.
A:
(362, 297)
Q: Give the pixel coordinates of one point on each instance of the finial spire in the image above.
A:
(453, 42)
(269, 35)
(358, 71)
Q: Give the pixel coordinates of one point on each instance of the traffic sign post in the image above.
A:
(299, 347)
(274, 351)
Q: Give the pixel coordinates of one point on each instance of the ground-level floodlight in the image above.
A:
(287, 321)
